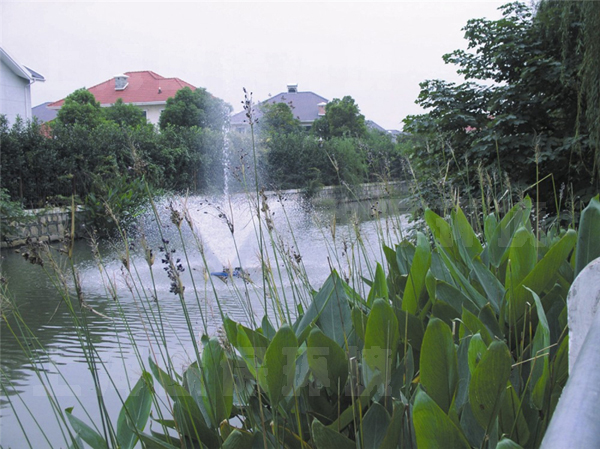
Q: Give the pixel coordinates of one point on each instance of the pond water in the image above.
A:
(133, 314)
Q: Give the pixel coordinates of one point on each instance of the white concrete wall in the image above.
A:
(153, 112)
(15, 95)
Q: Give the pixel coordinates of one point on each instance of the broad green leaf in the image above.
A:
(488, 382)
(379, 288)
(416, 278)
(87, 434)
(394, 429)
(252, 347)
(405, 252)
(359, 321)
(462, 282)
(439, 363)
(135, 412)
(511, 419)
(489, 226)
(491, 285)
(540, 350)
(477, 348)
(152, 442)
(454, 297)
(472, 325)
(506, 443)
(466, 240)
(410, 328)
(329, 310)
(238, 440)
(464, 373)
(490, 320)
(588, 239)
(172, 387)
(433, 428)
(187, 414)
(499, 241)
(522, 257)
(267, 329)
(327, 361)
(375, 425)
(442, 232)
(217, 383)
(541, 277)
(326, 438)
(191, 423)
(381, 337)
(276, 374)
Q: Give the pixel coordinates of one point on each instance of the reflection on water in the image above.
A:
(48, 348)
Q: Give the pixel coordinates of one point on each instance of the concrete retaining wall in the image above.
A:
(42, 225)
(343, 194)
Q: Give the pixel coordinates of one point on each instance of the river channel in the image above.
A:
(43, 351)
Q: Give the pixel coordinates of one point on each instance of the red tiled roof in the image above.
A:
(142, 87)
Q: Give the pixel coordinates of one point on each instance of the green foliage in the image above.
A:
(125, 114)
(80, 108)
(527, 117)
(132, 419)
(195, 108)
(342, 119)
(100, 155)
(448, 371)
(278, 118)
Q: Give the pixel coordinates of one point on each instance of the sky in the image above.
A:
(376, 52)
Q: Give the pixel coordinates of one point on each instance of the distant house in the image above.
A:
(306, 107)
(15, 87)
(43, 113)
(147, 90)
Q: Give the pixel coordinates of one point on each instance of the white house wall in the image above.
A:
(153, 112)
(15, 95)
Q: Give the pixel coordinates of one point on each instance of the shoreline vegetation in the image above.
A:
(455, 336)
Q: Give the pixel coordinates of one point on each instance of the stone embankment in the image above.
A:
(346, 194)
(41, 225)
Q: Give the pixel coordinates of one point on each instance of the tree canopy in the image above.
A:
(278, 118)
(522, 113)
(80, 107)
(198, 107)
(342, 119)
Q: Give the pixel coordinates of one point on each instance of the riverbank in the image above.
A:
(42, 225)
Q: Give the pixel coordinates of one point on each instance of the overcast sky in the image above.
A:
(375, 52)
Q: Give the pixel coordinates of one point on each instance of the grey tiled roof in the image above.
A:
(304, 106)
(43, 113)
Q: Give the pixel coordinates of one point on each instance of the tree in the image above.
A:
(278, 118)
(125, 114)
(80, 108)
(195, 108)
(523, 123)
(342, 119)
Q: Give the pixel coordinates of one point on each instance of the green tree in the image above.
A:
(198, 107)
(278, 118)
(80, 108)
(125, 114)
(342, 119)
(519, 113)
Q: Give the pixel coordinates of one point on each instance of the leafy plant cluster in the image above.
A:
(338, 149)
(527, 115)
(100, 155)
(462, 344)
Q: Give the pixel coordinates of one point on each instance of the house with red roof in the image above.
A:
(145, 89)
